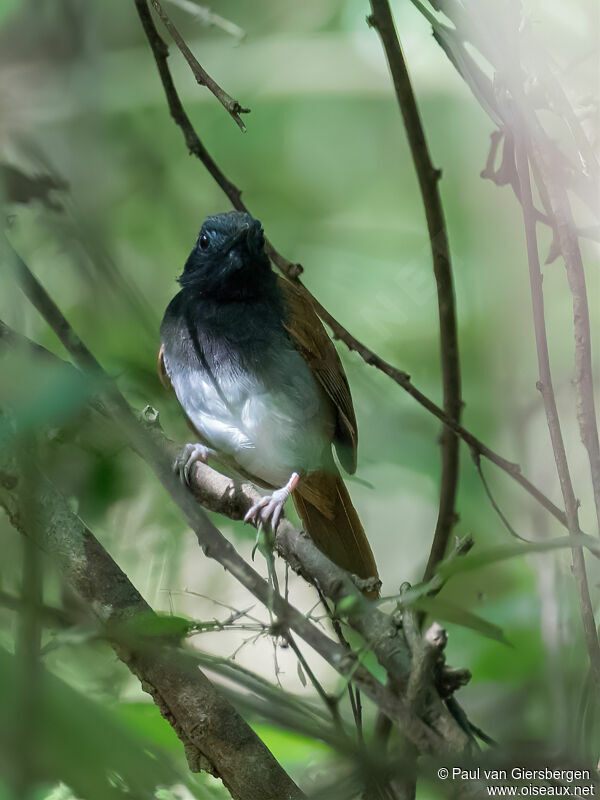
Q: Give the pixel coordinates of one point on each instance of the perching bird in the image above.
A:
(263, 387)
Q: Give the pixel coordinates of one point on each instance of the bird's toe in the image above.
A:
(255, 510)
(191, 453)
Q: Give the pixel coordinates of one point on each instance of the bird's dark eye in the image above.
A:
(204, 241)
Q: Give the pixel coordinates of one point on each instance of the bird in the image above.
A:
(263, 388)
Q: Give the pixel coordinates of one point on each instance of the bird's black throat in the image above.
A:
(230, 307)
(236, 331)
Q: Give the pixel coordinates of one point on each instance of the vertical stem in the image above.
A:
(546, 388)
(381, 19)
(28, 644)
(559, 209)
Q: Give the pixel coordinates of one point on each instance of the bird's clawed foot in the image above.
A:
(268, 510)
(191, 453)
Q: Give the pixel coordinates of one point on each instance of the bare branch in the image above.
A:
(506, 174)
(215, 545)
(233, 108)
(292, 270)
(381, 19)
(215, 736)
(330, 702)
(547, 391)
(509, 100)
(558, 208)
(219, 494)
(492, 500)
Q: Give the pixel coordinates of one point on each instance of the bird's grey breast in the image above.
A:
(251, 397)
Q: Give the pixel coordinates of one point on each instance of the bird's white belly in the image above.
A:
(269, 433)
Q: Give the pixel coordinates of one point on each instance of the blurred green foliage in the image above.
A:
(325, 165)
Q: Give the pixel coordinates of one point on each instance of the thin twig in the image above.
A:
(359, 716)
(329, 701)
(547, 391)
(28, 646)
(505, 175)
(208, 17)
(381, 19)
(493, 502)
(233, 107)
(558, 208)
(353, 696)
(292, 270)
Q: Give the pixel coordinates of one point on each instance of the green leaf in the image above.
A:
(449, 612)
(149, 623)
(144, 719)
(476, 560)
(289, 747)
(346, 604)
(301, 675)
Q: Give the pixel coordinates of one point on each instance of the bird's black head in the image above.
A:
(228, 261)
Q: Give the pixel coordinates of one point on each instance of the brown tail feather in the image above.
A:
(324, 506)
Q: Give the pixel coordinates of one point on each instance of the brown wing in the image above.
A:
(163, 375)
(317, 349)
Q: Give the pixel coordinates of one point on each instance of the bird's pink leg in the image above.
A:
(268, 510)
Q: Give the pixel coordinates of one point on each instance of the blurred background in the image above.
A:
(324, 164)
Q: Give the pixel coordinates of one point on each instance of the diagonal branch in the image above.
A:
(221, 495)
(233, 107)
(194, 145)
(381, 19)
(214, 545)
(293, 270)
(215, 736)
